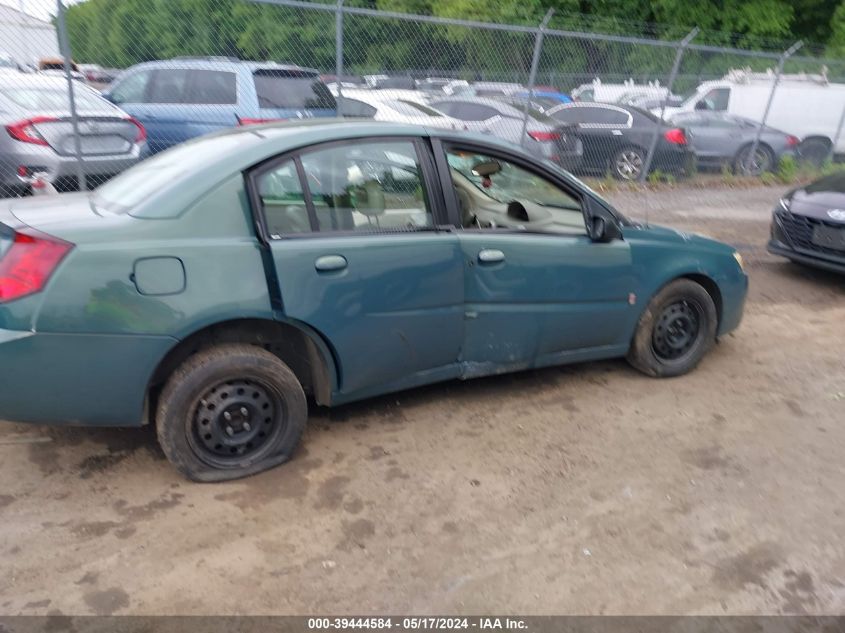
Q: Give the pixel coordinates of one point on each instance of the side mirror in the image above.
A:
(603, 229)
(702, 105)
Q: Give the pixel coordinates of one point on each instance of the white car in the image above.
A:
(602, 92)
(399, 106)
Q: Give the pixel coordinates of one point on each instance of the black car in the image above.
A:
(617, 138)
(808, 225)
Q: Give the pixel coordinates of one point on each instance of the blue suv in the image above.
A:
(183, 98)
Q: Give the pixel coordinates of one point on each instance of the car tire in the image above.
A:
(230, 411)
(814, 151)
(676, 330)
(628, 163)
(766, 160)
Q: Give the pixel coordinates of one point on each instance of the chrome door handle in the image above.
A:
(490, 256)
(328, 263)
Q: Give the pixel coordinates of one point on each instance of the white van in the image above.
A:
(807, 106)
(596, 90)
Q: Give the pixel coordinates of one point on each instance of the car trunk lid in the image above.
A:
(98, 135)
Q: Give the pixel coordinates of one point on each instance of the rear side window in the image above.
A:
(291, 89)
(570, 115)
(472, 111)
(212, 87)
(180, 85)
(356, 186)
(354, 108)
(604, 116)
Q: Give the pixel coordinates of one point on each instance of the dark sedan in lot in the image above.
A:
(210, 288)
(617, 138)
(808, 225)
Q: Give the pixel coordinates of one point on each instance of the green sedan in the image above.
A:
(217, 287)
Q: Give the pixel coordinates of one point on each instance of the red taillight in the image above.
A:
(25, 132)
(27, 265)
(676, 136)
(249, 121)
(142, 131)
(544, 136)
(792, 141)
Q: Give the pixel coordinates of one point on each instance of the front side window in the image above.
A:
(493, 192)
(716, 100)
(358, 186)
(169, 86)
(132, 89)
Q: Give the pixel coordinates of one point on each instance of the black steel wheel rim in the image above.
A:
(235, 421)
(677, 330)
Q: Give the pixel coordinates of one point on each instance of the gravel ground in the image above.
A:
(586, 489)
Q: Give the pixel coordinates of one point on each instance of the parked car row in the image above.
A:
(607, 129)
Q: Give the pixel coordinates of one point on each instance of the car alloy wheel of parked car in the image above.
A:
(628, 163)
(748, 165)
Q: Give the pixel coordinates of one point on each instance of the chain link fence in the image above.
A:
(92, 88)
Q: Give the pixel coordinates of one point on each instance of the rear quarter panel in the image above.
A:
(94, 290)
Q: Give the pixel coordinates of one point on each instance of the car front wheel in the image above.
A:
(230, 411)
(676, 330)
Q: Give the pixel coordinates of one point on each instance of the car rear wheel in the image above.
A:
(628, 163)
(230, 411)
(763, 161)
(676, 330)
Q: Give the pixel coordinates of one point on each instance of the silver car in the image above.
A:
(35, 112)
(544, 137)
(719, 139)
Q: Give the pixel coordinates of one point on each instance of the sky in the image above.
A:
(42, 9)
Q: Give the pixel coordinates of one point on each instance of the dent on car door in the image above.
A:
(537, 288)
(352, 233)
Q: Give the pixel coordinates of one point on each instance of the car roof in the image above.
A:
(220, 63)
(222, 155)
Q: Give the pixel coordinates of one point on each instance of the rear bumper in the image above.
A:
(56, 166)
(77, 379)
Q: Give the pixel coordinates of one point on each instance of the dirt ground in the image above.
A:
(587, 489)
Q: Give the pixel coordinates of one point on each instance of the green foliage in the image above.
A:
(787, 170)
(124, 32)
